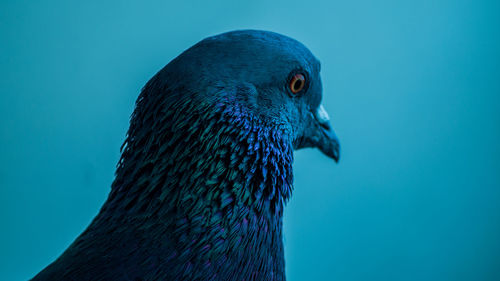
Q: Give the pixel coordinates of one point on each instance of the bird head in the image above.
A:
(274, 77)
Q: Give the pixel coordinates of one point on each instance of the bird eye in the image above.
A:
(297, 83)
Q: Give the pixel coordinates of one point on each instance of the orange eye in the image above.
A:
(297, 83)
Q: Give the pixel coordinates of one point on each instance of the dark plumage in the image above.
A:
(206, 167)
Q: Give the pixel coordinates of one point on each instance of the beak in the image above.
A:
(328, 142)
(320, 134)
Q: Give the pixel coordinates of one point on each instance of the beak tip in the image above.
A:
(332, 150)
(336, 158)
(336, 153)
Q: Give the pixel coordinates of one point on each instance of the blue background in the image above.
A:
(412, 87)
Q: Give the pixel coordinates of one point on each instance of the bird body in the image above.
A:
(206, 169)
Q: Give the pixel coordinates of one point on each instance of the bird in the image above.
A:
(206, 166)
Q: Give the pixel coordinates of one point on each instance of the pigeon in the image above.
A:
(206, 167)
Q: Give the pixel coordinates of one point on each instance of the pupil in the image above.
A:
(297, 85)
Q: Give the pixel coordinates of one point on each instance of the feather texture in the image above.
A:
(206, 168)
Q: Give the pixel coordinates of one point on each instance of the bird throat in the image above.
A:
(209, 187)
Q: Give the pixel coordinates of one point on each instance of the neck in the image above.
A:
(211, 187)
